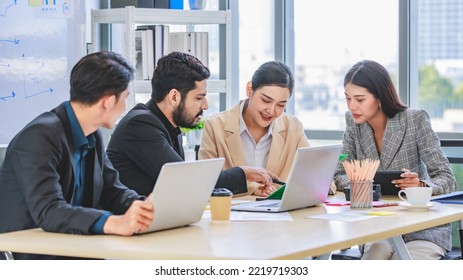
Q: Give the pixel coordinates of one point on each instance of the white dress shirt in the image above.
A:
(255, 154)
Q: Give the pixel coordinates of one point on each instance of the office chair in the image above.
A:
(453, 149)
(196, 151)
(7, 256)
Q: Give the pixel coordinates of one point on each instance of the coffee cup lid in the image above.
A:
(221, 192)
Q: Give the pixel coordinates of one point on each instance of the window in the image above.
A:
(440, 62)
(256, 35)
(331, 36)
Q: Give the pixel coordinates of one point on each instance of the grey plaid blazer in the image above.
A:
(408, 142)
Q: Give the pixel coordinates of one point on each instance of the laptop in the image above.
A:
(308, 182)
(182, 191)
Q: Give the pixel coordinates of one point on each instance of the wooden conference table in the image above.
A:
(301, 238)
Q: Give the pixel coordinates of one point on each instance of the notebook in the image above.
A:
(450, 198)
(182, 191)
(308, 182)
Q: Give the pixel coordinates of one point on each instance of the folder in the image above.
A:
(450, 198)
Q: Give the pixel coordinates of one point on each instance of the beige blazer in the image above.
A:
(221, 138)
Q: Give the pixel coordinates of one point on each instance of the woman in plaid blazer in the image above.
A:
(379, 126)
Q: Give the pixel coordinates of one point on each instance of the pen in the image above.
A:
(278, 182)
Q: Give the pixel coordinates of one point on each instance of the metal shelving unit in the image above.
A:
(130, 16)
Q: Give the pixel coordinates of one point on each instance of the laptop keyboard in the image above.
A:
(273, 204)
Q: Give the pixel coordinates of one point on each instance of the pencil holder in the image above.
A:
(361, 194)
(376, 192)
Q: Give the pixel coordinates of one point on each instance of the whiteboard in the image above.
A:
(40, 41)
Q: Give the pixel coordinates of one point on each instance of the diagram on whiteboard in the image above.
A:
(4, 9)
(30, 75)
(38, 46)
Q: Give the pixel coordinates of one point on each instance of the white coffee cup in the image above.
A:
(416, 195)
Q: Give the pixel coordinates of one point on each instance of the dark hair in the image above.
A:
(177, 70)
(100, 74)
(273, 73)
(375, 78)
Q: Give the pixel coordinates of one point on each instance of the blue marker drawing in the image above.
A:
(4, 98)
(14, 41)
(50, 90)
(3, 13)
(35, 80)
(5, 65)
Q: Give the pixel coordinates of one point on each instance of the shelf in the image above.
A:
(131, 16)
(159, 16)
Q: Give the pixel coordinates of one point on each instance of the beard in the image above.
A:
(182, 118)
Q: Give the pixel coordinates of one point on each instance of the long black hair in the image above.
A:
(375, 78)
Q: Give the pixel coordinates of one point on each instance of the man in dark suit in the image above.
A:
(149, 135)
(56, 174)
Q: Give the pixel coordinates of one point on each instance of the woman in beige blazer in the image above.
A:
(256, 131)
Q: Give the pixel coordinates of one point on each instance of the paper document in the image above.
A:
(352, 216)
(253, 216)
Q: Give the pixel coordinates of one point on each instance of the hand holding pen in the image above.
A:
(275, 181)
(278, 182)
(267, 190)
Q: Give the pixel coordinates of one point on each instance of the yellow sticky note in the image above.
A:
(381, 213)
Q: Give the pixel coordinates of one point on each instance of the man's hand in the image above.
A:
(259, 175)
(136, 220)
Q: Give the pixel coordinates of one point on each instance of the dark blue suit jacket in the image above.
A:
(37, 180)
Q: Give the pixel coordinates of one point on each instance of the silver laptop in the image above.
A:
(308, 182)
(182, 191)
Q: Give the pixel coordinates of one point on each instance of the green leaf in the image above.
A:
(342, 156)
(199, 125)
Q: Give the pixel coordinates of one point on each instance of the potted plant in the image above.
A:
(192, 136)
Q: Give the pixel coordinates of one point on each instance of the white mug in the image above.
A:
(416, 195)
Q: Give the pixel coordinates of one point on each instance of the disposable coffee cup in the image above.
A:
(220, 203)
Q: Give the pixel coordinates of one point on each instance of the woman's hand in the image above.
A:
(409, 179)
(265, 191)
